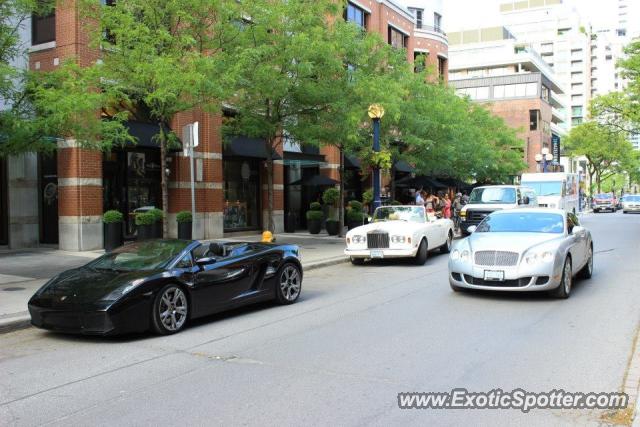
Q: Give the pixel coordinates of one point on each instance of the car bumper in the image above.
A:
(604, 207)
(516, 279)
(128, 318)
(386, 253)
(631, 208)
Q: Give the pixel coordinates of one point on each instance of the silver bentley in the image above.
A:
(537, 249)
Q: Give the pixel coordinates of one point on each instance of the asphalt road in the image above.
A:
(357, 337)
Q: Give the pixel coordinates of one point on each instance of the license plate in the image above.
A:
(493, 275)
(377, 254)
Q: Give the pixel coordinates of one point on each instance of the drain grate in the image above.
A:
(15, 288)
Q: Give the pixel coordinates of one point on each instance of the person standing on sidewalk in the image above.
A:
(419, 200)
(456, 207)
(446, 209)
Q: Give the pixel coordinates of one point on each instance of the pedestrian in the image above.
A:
(465, 198)
(429, 203)
(419, 199)
(446, 210)
(456, 207)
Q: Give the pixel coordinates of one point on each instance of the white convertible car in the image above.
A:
(399, 232)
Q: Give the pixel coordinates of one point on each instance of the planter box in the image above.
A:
(157, 230)
(314, 226)
(112, 236)
(184, 230)
(333, 227)
(146, 232)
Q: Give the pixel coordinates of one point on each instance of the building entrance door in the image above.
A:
(4, 211)
(48, 198)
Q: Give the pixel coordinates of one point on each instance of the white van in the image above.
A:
(486, 199)
(555, 189)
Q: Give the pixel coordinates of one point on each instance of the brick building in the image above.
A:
(59, 200)
(491, 67)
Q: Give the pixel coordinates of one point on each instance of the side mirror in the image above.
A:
(577, 229)
(471, 229)
(201, 262)
(524, 200)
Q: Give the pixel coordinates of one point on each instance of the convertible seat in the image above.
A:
(217, 249)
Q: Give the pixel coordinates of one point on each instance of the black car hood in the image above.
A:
(86, 285)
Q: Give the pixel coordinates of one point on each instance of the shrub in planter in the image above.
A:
(185, 223)
(331, 197)
(332, 226)
(158, 215)
(314, 218)
(355, 215)
(144, 223)
(112, 229)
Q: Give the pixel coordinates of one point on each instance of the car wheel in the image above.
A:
(170, 310)
(357, 261)
(625, 212)
(564, 290)
(421, 255)
(446, 248)
(289, 284)
(587, 270)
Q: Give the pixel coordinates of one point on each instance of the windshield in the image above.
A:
(140, 256)
(401, 213)
(632, 198)
(493, 195)
(545, 188)
(532, 222)
(603, 196)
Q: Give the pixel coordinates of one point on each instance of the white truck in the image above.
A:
(555, 189)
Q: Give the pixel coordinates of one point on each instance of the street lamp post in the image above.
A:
(375, 113)
(545, 157)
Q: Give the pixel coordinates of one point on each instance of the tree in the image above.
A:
(19, 132)
(152, 60)
(608, 152)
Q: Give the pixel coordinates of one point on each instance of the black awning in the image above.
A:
(351, 162)
(402, 166)
(306, 158)
(420, 181)
(315, 180)
(145, 133)
(244, 146)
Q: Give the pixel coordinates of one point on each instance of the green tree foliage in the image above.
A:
(154, 59)
(608, 152)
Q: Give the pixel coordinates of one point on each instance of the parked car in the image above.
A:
(487, 199)
(631, 203)
(399, 232)
(523, 250)
(162, 284)
(604, 202)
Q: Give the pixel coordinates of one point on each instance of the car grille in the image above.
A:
(377, 240)
(477, 215)
(511, 283)
(496, 258)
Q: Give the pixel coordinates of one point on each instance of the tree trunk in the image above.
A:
(164, 181)
(599, 181)
(270, 223)
(341, 199)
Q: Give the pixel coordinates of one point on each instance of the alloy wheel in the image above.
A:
(173, 309)
(590, 262)
(290, 282)
(567, 277)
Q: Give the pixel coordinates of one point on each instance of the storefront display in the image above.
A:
(242, 194)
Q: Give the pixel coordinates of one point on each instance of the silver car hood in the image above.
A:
(510, 242)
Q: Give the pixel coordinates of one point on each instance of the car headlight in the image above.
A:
(455, 255)
(400, 239)
(356, 239)
(465, 255)
(463, 214)
(536, 257)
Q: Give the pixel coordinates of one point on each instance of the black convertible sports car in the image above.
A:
(161, 284)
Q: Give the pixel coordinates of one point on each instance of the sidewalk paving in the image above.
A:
(23, 272)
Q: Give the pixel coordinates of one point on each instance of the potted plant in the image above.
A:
(144, 224)
(185, 224)
(314, 218)
(112, 229)
(157, 215)
(355, 216)
(367, 199)
(330, 197)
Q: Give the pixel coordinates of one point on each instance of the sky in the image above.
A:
(485, 13)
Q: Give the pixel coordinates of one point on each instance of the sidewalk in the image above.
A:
(23, 272)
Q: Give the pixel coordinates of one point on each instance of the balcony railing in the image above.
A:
(431, 28)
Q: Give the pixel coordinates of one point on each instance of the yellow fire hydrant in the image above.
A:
(268, 237)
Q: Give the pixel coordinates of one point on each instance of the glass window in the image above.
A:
(509, 91)
(482, 92)
(437, 21)
(518, 222)
(545, 93)
(419, 61)
(242, 194)
(43, 28)
(491, 195)
(531, 89)
(356, 15)
(147, 255)
(576, 111)
(400, 213)
(396, 38)
(545, 188)
(442, 67)
(498, 91)
(533, 119)
(417, 14)
(185, 262)
(520, 90)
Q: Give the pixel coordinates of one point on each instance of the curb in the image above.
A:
(23, 320)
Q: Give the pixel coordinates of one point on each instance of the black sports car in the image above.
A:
(161, 284)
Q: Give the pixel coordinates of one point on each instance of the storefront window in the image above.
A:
(242, 194)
